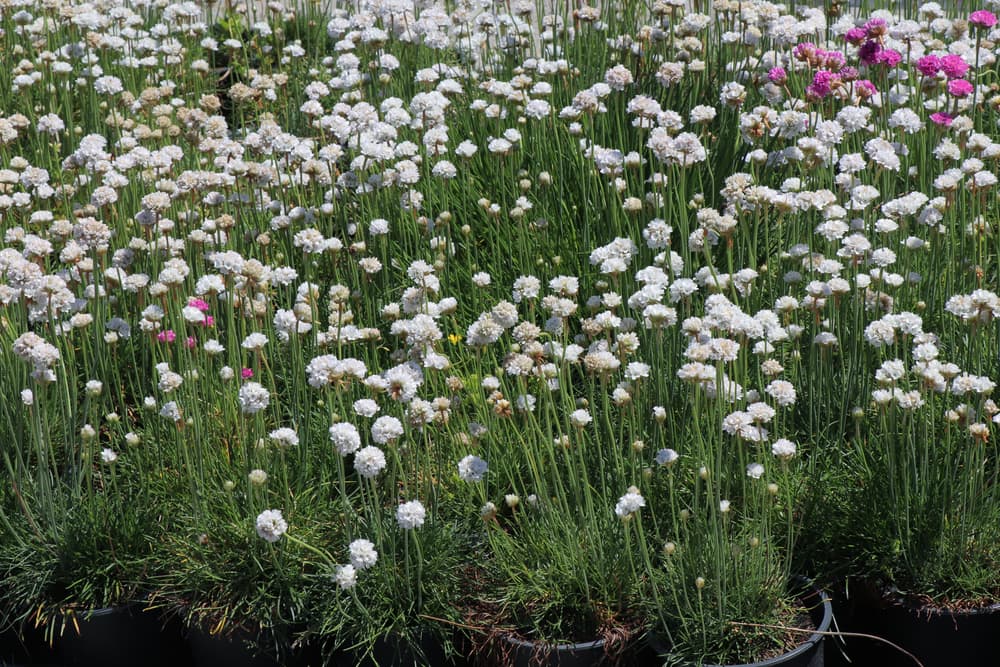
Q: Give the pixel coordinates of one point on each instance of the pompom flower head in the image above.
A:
(369, 461)
(363, 554)
(410, 515)
(629, 504)
(345, 438)
(983, 19)
(271, 525)
(472, 468)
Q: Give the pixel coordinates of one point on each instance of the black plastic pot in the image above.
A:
(809, 653)
(23, 644)
(523, 653)
(394, 650)
(118, 637)
(937, 637)
(239, 648)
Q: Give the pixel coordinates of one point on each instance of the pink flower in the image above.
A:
(246, 373)
(777, 76)
(889, 57)
(865, 88)
(942, 119)
(960, 88)
(831, 60)
(167, 336)
(191, 342)
(821, 85)
(855, 36)
(804, 51)
(848, 74)
(876, 27)
(954, 67)
(199, 304)
(208, 321)
(929, 65)
(983, 19)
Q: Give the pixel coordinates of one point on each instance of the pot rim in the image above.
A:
(934, 610)
(808, 644)
(898, 599)
(130, 609)
(568, 646)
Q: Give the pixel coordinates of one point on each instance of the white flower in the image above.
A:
(170, 410)
(193, 315)
(257, 477)
(782, 391)
(580, 418)
(666, 457)
(369, 462)
(108, 85)
(365, 407)
(284, 437)
(254, 342)
(271, 525)
(410, 515)
(630, 503)
(363, 554)
(783, 449)
(27, 397)
(345, 438)
(346, 576)
(386, 429)
(755, 470)
(472, 468)
(724, 506)
(488, 511)
(253, 398)
(108, 456)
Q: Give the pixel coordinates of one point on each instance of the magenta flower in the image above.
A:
(983, 19)
(191, 342)
(954, 67)
(929, 65)
(868, 53)
(822, 84)
(777, 75)
(960, 88)
(246, 373)
(208, 321)
(167, 336)
(889, 57)
(199, 304)
(855, 36)
(942, 119)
